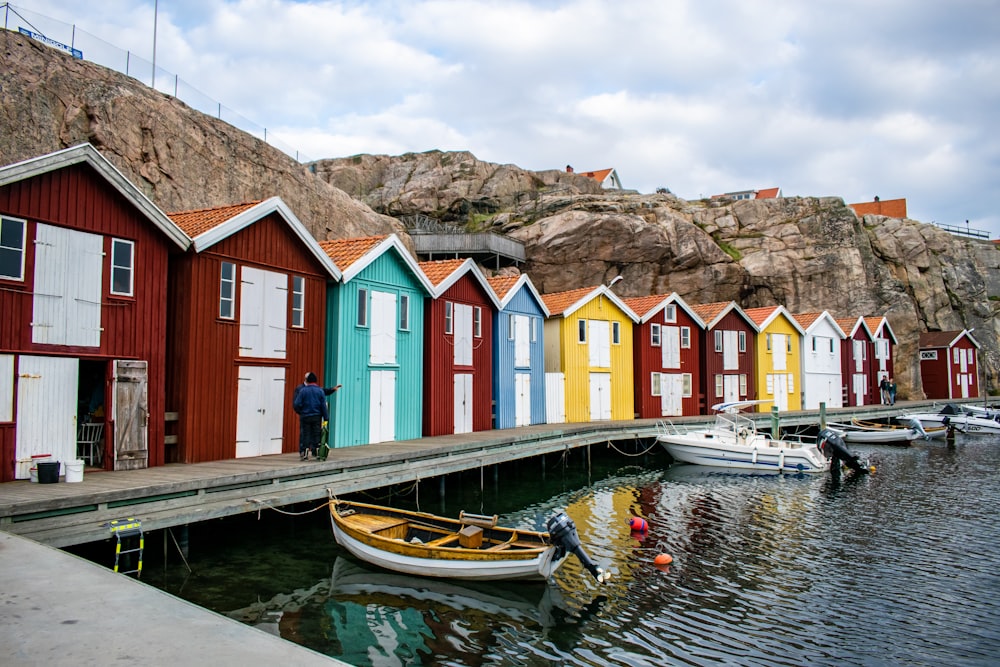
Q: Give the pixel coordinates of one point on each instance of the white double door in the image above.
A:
(382, 407)
(260, 407)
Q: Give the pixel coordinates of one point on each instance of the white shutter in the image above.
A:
(599, 342)
(555, 398)
(463, 334)
(859, 355)
(779, 343)
(275, 315)
(251, 312)
(66, 307)
(522, 341)
(730, 351)
(382, 346)
(6, 387)
(671, 347)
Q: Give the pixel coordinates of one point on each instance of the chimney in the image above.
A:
(569, 169)
(876, 199)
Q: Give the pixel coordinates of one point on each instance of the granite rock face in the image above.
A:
(180, 158)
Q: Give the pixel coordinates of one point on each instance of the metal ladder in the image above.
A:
(127, 531)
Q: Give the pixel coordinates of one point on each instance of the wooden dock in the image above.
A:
(179, 494)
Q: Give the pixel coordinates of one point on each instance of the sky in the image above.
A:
(845, 98)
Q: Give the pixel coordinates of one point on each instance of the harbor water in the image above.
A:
(900, 567)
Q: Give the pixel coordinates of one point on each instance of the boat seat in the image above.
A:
(502, 545)
(442, 541)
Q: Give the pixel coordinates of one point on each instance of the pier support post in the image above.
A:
(775, 434)
(822, 415)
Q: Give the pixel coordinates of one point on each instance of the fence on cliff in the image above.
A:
(86, 46)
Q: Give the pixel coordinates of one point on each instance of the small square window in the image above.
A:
(12, 248)
(122, 259)
(670, 313)
(686, 337)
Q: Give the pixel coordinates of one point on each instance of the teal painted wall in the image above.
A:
(348, 350)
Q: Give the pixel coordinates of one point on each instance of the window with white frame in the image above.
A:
(298, 301)
(616, 333)
(767, 338)
(227, 291)
(954, 355)
(743, 385)
(12, 232)
(656, 384)
(534, 329)
(686, 385)
(718, 342)
(477, 322)
(581, 331)
(788, 343)
(654, 335)
(718, 386)
(122, 267)
(686, 337)
(510, 327)
(743, 341)
(404, 312)
(670, 313)
(362, 307)
(449, 317)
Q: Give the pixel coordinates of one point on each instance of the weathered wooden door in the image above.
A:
(600, 396)
(46, 408)
(555, 398)
(260, 411)
(463, 403)
(382, 407)
(671, 393)
(522, 399)
(130, 397)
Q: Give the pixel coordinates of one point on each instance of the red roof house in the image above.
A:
(728, 359)
(856, 355)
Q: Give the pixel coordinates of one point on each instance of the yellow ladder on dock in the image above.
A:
(128, 533)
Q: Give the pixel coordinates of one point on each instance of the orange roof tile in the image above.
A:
(767, 193)
(502, 284)
(760, 315)
(847, 324)
(874, 323)
(598, 175)
(891, 208)
(641, 305)
(197, 222)
(806, 320)
(558, 302)
(345, 252)
(437, 271)
(709, 311)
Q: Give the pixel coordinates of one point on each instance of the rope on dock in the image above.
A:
(266, 506)
(642, 453)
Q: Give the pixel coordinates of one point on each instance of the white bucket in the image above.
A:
(74, 471)
(23, 470)
(34, 474)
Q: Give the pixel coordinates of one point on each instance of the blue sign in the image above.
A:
(76, 53)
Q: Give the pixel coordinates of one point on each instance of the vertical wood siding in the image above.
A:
(649, 360)
(504, 396)
(848, 364)
(348, 350)
(713, 362)
(134, 327)
(204, 349)
(439, 367)
(793, 363)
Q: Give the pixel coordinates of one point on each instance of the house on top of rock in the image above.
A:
(767, 193)
(608, 178)
(891, 208)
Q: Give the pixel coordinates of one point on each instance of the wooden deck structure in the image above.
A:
(179, 494)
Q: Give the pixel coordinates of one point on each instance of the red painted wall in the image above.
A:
(439, 367)
(713, 361)
(204, 349)
(847, 367)
(648, 360)
(940, 376)
(77, 197)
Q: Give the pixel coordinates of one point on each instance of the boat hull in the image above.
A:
(961, 423)
(712, 452)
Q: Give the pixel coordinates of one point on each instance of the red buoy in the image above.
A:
(638, 524)
(663, 559)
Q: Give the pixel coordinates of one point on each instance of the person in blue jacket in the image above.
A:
(309, 403)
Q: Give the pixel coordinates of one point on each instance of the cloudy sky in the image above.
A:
(847, 98)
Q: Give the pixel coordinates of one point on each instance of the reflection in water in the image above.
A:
(899, 567)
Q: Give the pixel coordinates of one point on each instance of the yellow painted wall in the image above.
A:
(575, 359)
(793, 364)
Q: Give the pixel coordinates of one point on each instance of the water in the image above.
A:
(897, 568)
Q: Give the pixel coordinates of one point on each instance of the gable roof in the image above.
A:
(850, 324)
(209, 226)
(875, 325)
(645, 307)
(712, 313)
(354, 255)
(563, 304)
(603, 175)
(809, 320)
(443, 273)
(764, 315)
(507, 287)
(87, 154)
(933, 339)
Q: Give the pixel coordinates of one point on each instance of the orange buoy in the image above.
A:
(638, 524)
(663, 559)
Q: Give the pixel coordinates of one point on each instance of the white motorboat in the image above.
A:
(860, 432)
(964, 419)
(733, 442)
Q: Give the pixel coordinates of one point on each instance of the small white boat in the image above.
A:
(733, 442)
(964, 419)
(472, 547)
(869, 433)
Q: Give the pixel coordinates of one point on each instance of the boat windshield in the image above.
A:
(734, 422)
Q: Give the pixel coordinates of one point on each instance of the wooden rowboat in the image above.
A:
(472, 547)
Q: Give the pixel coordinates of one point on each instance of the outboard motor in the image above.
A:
(834, 448)
(919, 428)
(562, 530)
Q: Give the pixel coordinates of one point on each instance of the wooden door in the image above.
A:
(260, 413)
(130, 396)
(600, 396)
(66, 302)
(555, 398)
(671, 394)
(46, 409)
(382, 407)
(730, 388)
(463, 402)
(522, 399)
(671, 344)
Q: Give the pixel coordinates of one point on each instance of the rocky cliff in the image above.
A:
(805, 253)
